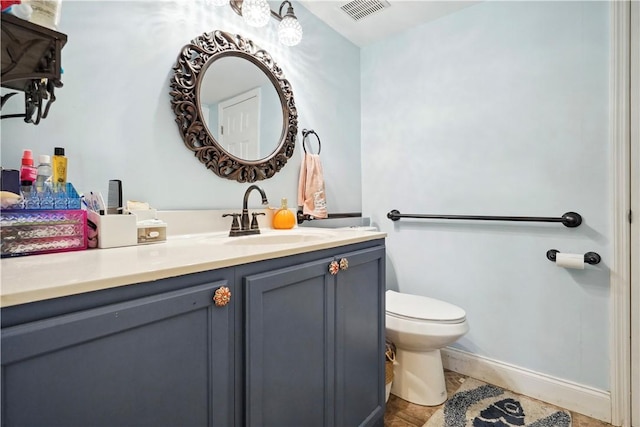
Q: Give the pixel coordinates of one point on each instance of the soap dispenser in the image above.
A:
(283, 219)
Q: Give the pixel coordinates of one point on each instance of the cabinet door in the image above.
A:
(163, 360)
(289, 346)
(360, 333)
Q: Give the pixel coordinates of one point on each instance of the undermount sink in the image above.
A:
(279, 238)
(271, 237)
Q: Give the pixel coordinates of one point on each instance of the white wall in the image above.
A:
(114, 117)
(499, 109)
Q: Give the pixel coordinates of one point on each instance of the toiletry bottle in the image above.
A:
(59, 167)
(43, 179)
(284, 219)
(28, 172)
(25, 188)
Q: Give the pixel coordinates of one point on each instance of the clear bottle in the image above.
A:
(28, 171)
(59, 167)
(43, 178)
(25, 188)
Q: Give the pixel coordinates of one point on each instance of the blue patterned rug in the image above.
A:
(477, 404)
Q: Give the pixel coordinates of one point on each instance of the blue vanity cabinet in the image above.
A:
(315, 342)
(295, 346)
(124, 357)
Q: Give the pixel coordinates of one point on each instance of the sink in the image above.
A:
(269, 237)
(279, 238)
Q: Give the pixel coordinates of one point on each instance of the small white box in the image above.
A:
(150, 228)
(115, 230)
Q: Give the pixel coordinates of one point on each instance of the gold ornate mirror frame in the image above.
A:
(193, 61)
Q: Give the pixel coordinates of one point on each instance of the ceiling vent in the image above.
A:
(358, 9)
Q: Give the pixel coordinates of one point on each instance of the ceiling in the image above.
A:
(398, 16)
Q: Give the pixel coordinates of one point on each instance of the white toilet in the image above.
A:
(419, 327)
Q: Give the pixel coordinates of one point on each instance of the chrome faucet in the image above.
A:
(245, 228)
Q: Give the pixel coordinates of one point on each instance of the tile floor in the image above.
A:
(401, 413)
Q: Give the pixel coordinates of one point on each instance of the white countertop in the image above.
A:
(39, 277)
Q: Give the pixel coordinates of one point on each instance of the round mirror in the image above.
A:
(234, 107)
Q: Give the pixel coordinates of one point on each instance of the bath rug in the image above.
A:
(477, 404)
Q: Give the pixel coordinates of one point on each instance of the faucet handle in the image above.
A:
(235, 225)
(254, 220)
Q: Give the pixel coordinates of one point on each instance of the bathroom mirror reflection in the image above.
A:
(241, 108)
(234, 107)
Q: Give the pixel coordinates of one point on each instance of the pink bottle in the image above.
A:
(28, 172)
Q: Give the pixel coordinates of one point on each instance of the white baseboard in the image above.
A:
(568, 395)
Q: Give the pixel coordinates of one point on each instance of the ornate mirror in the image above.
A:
(234, 107)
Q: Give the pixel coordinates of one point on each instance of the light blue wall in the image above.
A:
(499, 109)
(114, 118)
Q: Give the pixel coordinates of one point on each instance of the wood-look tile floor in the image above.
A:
(401, 413)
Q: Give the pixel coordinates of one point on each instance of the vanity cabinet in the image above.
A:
(294, 346)
(160, 360)
(314, 342)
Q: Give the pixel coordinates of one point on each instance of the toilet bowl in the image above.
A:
(419, 327)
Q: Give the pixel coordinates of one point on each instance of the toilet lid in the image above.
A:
(422, 308)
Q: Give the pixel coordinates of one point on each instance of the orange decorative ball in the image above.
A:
(284, 219)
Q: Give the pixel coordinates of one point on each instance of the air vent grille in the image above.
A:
(358, 9)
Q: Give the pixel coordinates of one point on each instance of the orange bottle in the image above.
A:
(283, 219)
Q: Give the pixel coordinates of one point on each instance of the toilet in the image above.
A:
(419, 327)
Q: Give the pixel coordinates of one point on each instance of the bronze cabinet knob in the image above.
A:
(344, 264)
(334, 267)
(222, 296)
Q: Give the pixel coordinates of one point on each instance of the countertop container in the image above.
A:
(45, 222)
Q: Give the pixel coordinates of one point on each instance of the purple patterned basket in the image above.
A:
(28, 232)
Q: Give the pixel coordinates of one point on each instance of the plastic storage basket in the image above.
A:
(45, 222)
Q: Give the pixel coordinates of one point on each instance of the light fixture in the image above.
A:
(256, 13)
(289, 29)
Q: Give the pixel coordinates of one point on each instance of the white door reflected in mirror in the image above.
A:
(238, 124)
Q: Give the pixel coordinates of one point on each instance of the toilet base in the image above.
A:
(418, 377)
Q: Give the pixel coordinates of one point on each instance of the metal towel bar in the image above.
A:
(569, 219)
(302, 217)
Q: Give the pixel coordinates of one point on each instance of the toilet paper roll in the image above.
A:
(570, 260)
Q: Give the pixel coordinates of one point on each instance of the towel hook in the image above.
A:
(306, 133)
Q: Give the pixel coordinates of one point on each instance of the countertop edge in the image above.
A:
(16, 294)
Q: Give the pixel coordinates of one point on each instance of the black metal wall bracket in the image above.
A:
(302, 217)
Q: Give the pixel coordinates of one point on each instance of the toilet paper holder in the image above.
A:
(590, 257)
